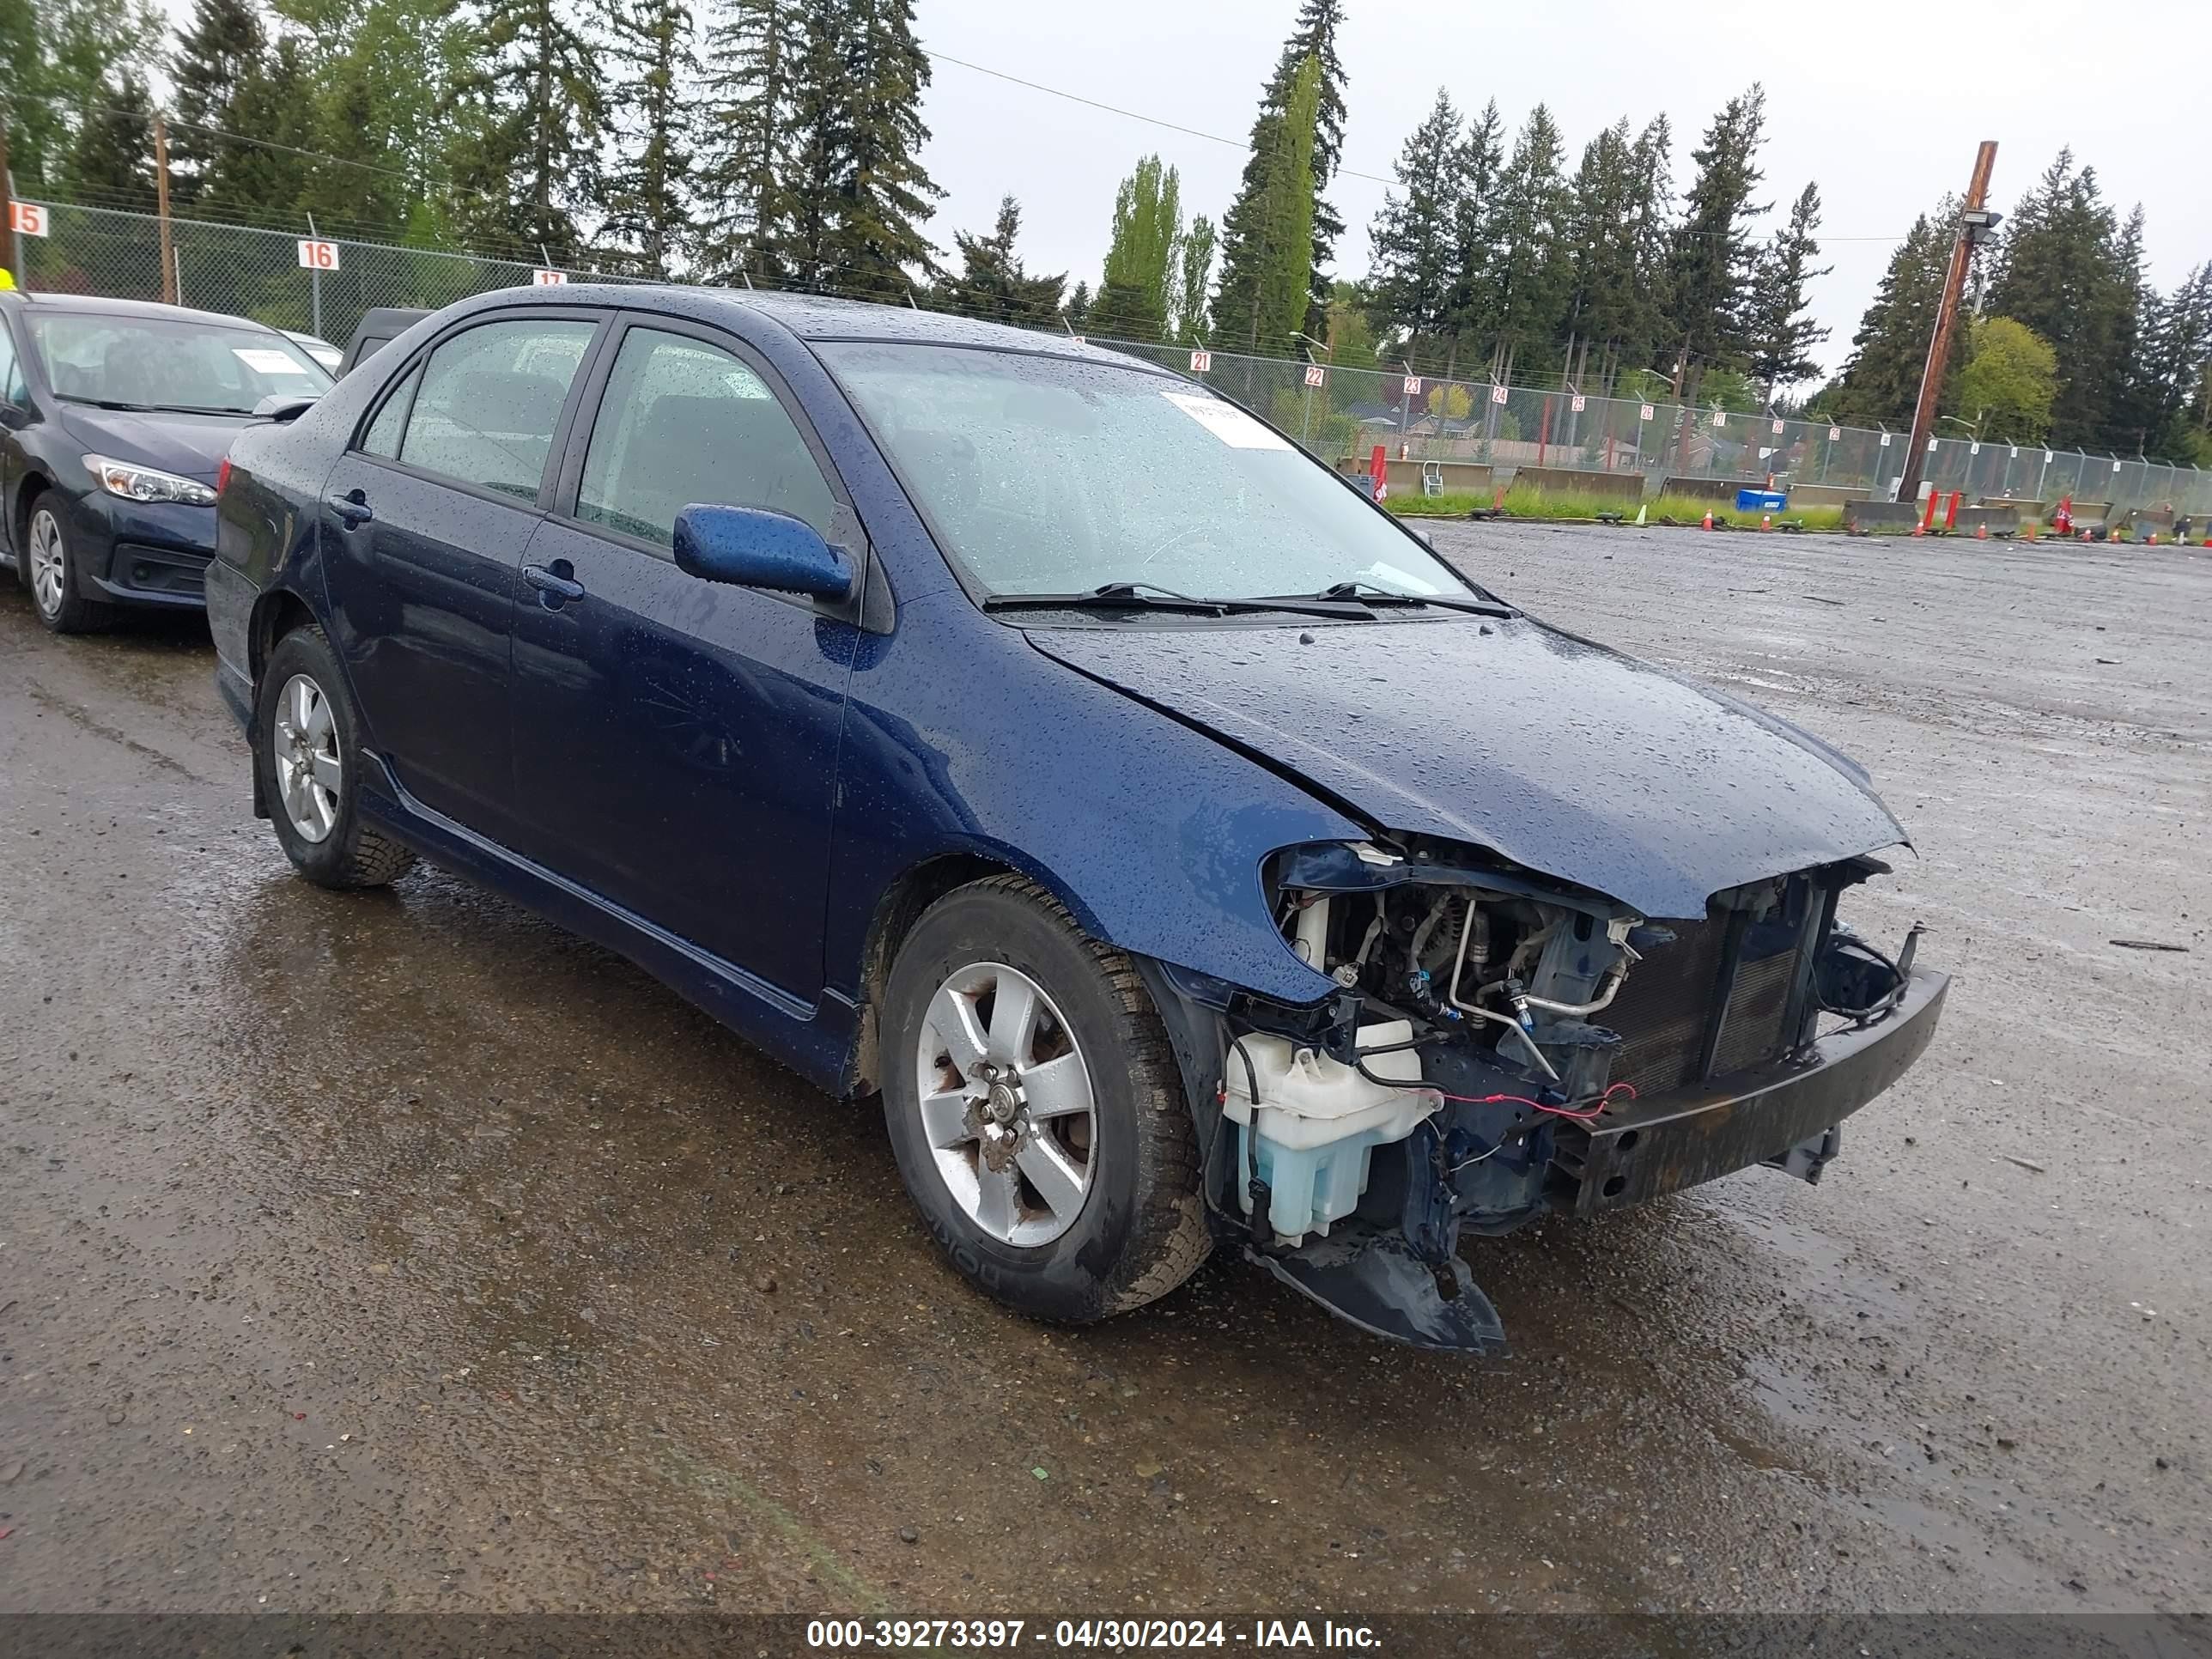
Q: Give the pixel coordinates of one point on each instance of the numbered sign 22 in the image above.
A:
(28, 218)
(318, 256)
(1316, 375)
(549, 278)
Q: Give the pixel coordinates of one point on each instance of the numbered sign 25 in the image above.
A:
(318, 256)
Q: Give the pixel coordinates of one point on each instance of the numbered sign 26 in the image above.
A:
(318, 256)
(1647, 413)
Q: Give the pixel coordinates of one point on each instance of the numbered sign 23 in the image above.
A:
(318, 256)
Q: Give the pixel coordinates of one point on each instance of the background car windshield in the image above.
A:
(160, 362)
(1048, 476)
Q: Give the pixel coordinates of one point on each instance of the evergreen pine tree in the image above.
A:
(2060, 272)
(1881, 382)
(754, 48)
(1413, 241)
(2180, 353)
(1077, 311)
(215, 58)
(646, 197)
(1779, 328)
(1600, 237)
(110, 164)
(1475, 248)
(992, 284)
(520, 174)
(274, 101)
(1713, 258)
(882, 192)
(1137, 290)
(1269, 228)
(1532, 274)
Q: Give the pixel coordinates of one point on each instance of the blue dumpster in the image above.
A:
(1760, 501)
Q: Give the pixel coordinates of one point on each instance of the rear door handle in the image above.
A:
(353, 507)
(551, 583)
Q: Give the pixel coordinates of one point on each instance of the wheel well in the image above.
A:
(34, 485)
(896, 912)
(276, 615)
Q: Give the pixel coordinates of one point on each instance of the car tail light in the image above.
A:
(223, 476)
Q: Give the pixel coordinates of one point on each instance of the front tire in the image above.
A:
(49, 570)
(1035, 1109)
(306, 750)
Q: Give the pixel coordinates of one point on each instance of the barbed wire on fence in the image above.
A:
(1466, 432)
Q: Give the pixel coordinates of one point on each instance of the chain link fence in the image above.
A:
(1463, 435)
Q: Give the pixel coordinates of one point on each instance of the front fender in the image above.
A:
(959, 740)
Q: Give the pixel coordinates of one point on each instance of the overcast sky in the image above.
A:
(1881, 101)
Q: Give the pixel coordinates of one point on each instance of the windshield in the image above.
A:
(1047, 476)
(169, 363)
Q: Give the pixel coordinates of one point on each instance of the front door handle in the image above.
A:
(554, 585)
(352, 507)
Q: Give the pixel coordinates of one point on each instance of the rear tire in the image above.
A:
(307, 752)
(1093, 1206)
(49, 571)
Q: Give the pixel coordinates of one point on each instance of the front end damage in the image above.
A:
(1500, 1044)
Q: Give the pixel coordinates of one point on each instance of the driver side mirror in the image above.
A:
(754, 547)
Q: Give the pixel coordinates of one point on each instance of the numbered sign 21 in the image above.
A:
(1200, 361)
(318, 256)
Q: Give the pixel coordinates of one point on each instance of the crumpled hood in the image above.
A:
(1556, 753)
(190, 446)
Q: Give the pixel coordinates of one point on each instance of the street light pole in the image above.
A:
(1975, 223)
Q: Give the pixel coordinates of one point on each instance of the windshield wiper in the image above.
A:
(155, 409)
(1369, 593)
(1151, 595)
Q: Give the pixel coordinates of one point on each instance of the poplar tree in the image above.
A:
(1414, 240)
(1137, 290)
(1779, 328)
(646, 193)
(1194, 283)
(752, 56)
(1314, 36)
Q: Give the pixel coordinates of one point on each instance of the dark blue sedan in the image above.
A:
(1036, 739)
(114, 418)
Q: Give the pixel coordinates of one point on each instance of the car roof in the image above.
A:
(96, 304)
(819, 317)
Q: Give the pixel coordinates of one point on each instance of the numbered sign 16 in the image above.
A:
(318, 256)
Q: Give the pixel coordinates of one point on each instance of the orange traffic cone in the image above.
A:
(2030, 530)
(1708, 524)
(1767, 521)
(2153, 542)
(1981, 532)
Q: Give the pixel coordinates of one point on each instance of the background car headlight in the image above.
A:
(144, 483)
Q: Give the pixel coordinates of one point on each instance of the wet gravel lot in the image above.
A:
(399, 1252)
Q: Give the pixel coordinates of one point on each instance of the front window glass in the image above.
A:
(684, 421)
(1046, 476)
(490, 400)
(168, 363)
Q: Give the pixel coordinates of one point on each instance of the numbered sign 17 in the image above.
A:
(318, 256)
(549, 278)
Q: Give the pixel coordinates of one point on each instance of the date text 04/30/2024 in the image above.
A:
(1109, 1635)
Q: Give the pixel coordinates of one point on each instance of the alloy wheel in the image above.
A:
(304, 746)
(1007, 1104)
(49, 570)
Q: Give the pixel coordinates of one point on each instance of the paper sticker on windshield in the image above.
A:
(263, 360)
(1226, 421)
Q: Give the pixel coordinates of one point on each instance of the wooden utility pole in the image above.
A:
(1975, 221)
(161, 206)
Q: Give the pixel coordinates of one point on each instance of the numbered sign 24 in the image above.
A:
(318, 256)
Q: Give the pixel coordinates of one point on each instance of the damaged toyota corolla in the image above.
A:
(1029, 736)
